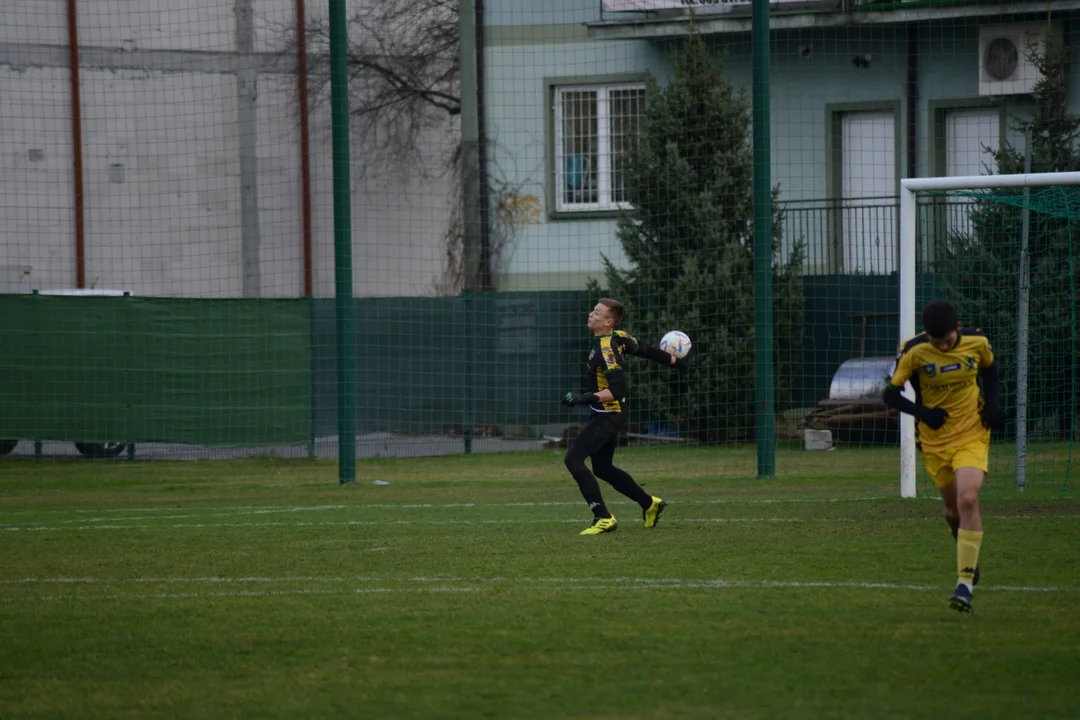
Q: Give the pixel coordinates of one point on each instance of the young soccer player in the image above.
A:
(607, 417)
(945, 365)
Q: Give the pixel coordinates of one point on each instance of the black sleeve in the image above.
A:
(896, 400)
(656, 354)
(634, 346)
(989, 381)
(617, 384)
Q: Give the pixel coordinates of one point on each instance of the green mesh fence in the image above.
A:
(156, 150)
(512, 162)
(96, 370)
(1005, 258)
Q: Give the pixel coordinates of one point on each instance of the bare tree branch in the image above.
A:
(404, 74)
(404, 88)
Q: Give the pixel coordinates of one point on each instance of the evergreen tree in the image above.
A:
(689, 239)
(979, 270)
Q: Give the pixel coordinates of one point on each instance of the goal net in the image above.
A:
(1001, 248)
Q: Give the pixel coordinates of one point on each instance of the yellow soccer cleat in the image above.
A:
(602, 525)
(652, 515)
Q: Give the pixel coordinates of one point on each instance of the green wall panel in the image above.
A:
(832, 326)
(251, 372)
(97, 369)
(434, 365)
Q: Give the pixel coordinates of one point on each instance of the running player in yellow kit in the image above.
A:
(945, 365)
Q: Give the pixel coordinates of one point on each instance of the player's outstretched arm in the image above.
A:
(647, 351)
(681, 363)
(663, 357)
(633, 346)
(934, 418)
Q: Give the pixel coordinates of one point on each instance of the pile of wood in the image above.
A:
(855, 410)
(836, 414)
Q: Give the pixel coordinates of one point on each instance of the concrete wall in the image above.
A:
(191, 157)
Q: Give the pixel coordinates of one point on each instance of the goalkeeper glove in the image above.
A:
(993, 417)
(571, 399)
(933, 418)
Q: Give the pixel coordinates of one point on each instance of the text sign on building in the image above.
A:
(707, 5)
(641, 5)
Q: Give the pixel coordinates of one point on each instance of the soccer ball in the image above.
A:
(676, 342)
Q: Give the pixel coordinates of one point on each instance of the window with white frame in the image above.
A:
(594, 127)
(971, 138)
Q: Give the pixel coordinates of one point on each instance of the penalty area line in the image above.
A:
(111, 515)
(340, 586)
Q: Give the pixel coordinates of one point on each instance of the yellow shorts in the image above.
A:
(942, 463)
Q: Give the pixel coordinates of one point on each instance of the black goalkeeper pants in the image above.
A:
(598, 441)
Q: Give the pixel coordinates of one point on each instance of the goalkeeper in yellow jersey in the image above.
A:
(946, 365)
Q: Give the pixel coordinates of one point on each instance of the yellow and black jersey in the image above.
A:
(605, 367)
(947, 380)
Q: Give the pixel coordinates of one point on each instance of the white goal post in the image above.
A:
(908, 188)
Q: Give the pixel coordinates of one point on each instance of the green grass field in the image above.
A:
(461, 589)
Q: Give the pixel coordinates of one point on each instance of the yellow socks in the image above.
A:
(968, 543)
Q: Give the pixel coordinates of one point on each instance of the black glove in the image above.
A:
(933, 418)
(571, 399)
(993, 417)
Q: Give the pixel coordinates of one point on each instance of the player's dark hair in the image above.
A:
(939, 318)
(614, 307)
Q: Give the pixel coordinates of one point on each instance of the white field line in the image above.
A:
(149, 514)
(268, 509)
(153, 523)
(369, 523)
(358, 585)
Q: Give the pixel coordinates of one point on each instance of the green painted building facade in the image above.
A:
(860, 98)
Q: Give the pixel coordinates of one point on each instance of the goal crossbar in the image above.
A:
(908, 188)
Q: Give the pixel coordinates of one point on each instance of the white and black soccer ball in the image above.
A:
(676, 342)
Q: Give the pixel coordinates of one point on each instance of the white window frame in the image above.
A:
(603, 149)
(868, 248)
(958, 209)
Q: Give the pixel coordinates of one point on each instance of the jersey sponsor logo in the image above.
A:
(970, 361)
(609, 357)
(950, 368)
(930, 369)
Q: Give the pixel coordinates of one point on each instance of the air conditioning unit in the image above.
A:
(1004, 66)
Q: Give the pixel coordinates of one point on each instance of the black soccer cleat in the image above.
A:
(960, 600)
